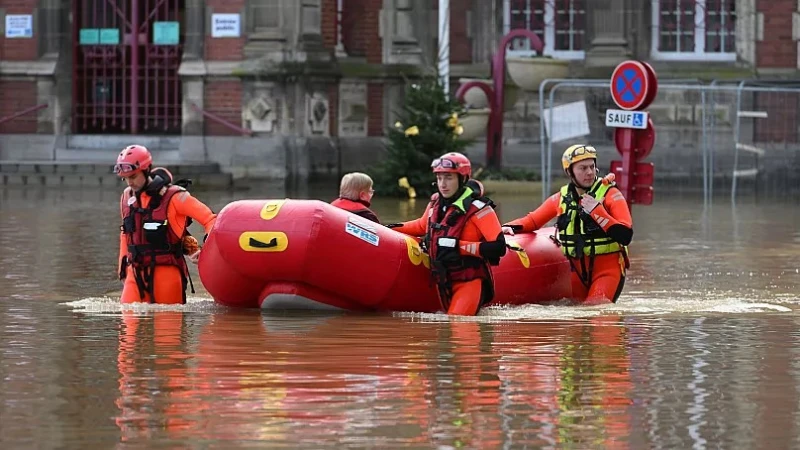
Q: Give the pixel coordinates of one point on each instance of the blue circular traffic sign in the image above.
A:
(631, 85)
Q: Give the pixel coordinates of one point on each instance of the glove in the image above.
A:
(393, 225)
(589, 203)
(511, 229)
(123, 268)
(494, 250)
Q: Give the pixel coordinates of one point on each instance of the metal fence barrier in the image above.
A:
(742, 134)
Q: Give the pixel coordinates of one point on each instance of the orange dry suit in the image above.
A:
(152, 263)
(462, 237)
(595, 244)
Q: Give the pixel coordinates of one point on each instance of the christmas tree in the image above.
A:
(427, 127)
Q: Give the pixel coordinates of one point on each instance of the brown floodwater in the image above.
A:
(699, 351)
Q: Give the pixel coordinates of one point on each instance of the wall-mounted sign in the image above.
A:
(19, 26)
(166, 33)
(109, 36)
(226, 25)
(98, 36)
(89, 36)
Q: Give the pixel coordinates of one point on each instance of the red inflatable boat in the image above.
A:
(307, 254)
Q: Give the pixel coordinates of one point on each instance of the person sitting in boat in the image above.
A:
(594, 227)
(355, 195)
(462, 235)
(155, 217)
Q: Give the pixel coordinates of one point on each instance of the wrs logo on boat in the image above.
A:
(361, 233)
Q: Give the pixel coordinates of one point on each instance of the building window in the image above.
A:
(560, 24)
(703, 30)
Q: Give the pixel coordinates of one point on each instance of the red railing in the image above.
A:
(222, 121)
(23, 112)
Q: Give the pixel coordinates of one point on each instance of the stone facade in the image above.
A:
(322, 77)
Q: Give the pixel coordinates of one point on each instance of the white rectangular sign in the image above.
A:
(619, 118)
(569, 121)
(226, 25)
(19, 26)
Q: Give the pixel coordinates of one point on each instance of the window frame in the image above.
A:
(549, 33)
(699, 53)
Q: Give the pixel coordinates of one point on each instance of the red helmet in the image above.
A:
(133, 159)
(452, 163)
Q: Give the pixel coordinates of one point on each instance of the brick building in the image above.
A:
(306, 76)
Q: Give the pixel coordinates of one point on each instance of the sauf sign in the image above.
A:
(619, 118)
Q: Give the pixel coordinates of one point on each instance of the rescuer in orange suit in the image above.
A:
(462, 235)
(355, 195)
(154, 236)
(594, 227)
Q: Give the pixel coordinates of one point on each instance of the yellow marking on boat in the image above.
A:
(415, 253)
(271, 209)
(263, 241)
(523, 255)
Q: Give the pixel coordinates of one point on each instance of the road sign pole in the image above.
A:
(627, 176)
(627, 150)
(633, 87)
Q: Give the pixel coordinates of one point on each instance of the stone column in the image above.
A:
(747, 30)
(48, 119)
(310, 28)
(399, 32)
(268, 27)
(608, 45)
(49, 20)
(194, 21)
(192, 72)
(310, 17)
(340, 50)
(487, 31)
(52, 26)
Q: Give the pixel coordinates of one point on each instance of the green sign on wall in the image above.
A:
(99, 36)
(166, 33)
(109, 36)
(89, 36)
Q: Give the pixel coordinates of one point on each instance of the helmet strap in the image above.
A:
(575, 182)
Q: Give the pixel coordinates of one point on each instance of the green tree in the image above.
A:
(427, 127)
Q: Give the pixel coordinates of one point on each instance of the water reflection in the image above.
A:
(305, 380)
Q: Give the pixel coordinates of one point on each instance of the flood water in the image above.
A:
(698, 353)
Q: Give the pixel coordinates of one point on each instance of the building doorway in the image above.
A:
(126, 55)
